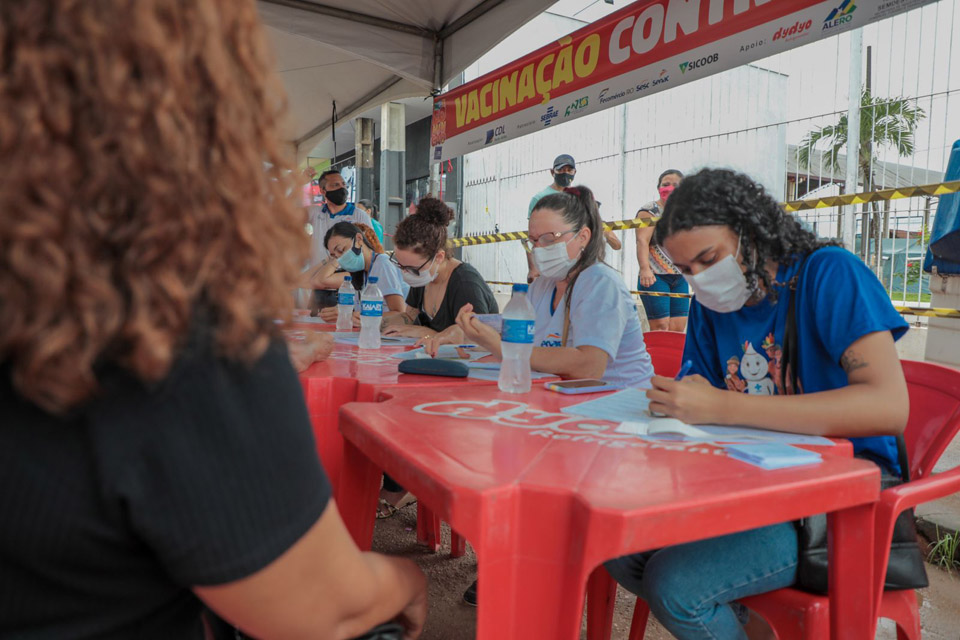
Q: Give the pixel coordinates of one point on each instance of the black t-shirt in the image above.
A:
(465, 285)
(109, 515)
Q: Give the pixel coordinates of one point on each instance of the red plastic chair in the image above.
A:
(797, 615)
(666, 351)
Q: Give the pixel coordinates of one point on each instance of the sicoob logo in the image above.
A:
(696, 64)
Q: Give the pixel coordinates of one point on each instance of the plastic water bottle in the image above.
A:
(345, 297)
(516, 342)
(371, 315)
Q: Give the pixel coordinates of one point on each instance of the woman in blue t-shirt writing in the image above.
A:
(741, 254)
(574, 290)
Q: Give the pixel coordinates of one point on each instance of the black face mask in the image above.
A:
(336, 196)
(563, 179)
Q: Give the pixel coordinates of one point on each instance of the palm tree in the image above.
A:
(884, 122)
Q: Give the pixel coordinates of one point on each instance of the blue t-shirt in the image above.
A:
(839, 300)
(377, 229)
(602, 315)
(549, 191)
(389, 280)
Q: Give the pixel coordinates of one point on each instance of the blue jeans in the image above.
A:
(690, 587)
(658, 307)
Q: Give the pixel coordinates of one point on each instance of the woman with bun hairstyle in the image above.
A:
(354, 247)
(586, 321)
(440, 285)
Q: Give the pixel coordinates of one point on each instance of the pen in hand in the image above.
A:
(684, 370)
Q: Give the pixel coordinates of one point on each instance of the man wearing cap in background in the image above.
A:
(563, 172)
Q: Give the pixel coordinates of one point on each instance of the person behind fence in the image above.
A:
(657, 273)
(156, 453)
(745, 258)
(354, 248)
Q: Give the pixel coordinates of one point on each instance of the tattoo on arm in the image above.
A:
(851, 361)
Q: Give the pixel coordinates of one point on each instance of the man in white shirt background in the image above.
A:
(334, 209)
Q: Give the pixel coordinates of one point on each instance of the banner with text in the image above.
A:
(641, 49)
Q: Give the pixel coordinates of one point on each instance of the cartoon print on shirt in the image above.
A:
(775, 356)
(755, 370)
(733, 379)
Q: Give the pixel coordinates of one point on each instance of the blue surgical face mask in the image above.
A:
(352, 261)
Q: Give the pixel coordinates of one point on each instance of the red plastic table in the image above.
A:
(546, 497)
(349, 375)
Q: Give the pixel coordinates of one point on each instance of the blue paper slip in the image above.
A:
(772, 455)
(629, 405)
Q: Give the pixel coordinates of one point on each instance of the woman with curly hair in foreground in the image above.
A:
(155, 451)
(751, 266)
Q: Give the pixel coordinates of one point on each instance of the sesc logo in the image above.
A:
(696, 64)
(548, 117)
(840, 16)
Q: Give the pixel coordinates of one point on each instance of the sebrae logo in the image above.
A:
(696, 64)
(548, 117)
(840, 16)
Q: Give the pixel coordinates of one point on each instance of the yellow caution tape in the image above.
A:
(930, 312)
(938, 189)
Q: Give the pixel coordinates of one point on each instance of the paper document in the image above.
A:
(387, 341)
(666, 427)
(772, 456)
(446, 352)
(629, 405)
(494, 374)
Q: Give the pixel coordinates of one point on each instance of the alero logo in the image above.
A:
(841, 15)
(696, 64)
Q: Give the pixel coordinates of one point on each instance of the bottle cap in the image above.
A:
(346, 278)
(373, 280)
(522, 288)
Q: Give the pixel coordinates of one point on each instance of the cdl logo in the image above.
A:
(494, 134)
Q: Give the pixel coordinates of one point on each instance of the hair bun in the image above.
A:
(434, 211)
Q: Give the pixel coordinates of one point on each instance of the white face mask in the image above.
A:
(426, 276)
(721, 287)
(553, 261)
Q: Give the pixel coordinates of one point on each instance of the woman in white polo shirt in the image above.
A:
(586, 321)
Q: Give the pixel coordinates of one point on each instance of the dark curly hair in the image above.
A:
(723, 197)
(425, 232)
(144, 177)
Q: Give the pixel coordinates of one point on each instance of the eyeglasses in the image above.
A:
(412, 270)
(548, 238)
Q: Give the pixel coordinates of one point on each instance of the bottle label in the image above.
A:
(345, 299)
(371, 307)
(517, 331)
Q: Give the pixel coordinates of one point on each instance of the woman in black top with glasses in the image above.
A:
(439, 284)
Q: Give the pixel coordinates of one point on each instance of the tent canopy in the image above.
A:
(363, 53)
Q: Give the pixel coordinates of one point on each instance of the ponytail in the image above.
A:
(579, 208)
